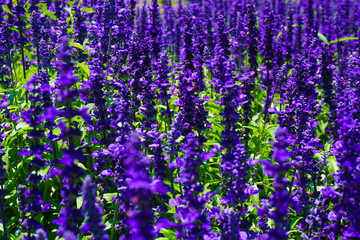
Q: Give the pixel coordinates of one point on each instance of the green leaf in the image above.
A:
(322, 37)
(21, 126)
(44, 171)
(343, 39)
(39, 217)
(29, 73)
(294, 222)
(211, 142)
(251, 145)
(252, 128)
(88, 10)
(213, 108)
(327, 147)
(81, 165)
(84, 68)
(108, 225)
(79, 202)
(45, 11)
(218, 127)
(255, 198)
(268, 187)
(333, 167)
(108, 196)
(77, 45)
(6, 9)
(169, 234)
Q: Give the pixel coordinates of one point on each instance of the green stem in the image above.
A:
(3, 215)
(113, 222)
(292, 182)
(171, 172)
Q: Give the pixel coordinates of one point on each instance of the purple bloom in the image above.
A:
(41, 234)
(280, 198)
(93, 211)
(140, 190)
(190, 206)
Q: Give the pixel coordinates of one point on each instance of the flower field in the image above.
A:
(203, 119)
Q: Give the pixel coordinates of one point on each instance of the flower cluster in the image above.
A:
(217, 119)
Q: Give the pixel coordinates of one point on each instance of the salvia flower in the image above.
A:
(140, 189)
(280, 198)
(190, 206)
(93, 211)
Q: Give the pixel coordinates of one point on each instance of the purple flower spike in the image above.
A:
(140, 190)
(280, 198)
(93, 212)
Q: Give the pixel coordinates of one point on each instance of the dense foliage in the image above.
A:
(203, 119)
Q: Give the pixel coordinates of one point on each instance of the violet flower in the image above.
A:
(190, 205)
(3, 193)
(347, 154)
(280, 198)
(140, 189)
(93, 212)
